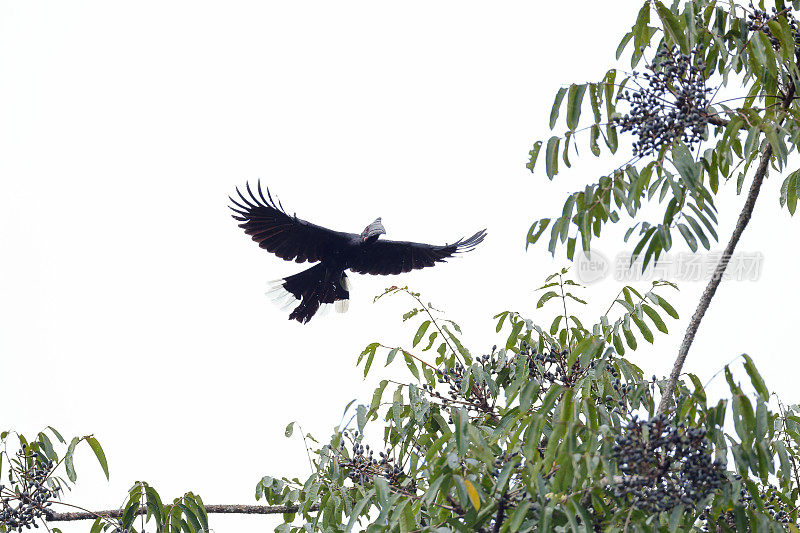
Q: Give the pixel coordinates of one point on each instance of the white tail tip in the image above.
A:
(280, 296)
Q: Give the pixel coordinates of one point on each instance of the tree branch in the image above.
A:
(501, 508)
(216, 509)
(716, 278)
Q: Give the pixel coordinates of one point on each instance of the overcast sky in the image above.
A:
(133, 308)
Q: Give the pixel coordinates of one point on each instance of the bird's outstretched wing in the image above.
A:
(393, 257)
(288, 237)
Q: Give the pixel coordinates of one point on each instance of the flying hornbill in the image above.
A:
(291, 238)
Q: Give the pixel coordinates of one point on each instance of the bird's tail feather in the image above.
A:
(313, 288)
(280, 296)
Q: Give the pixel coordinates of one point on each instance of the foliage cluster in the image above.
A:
(688, 139)
(552, 431)
(41, 471)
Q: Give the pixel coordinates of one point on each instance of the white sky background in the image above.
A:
(133, 308)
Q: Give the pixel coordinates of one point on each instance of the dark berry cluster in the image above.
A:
(453, 378)
(477, 398)
(31, 495)
(758, 20)
(363, 466)
(664, 465)
(551, 366)
(669, 105)
(769, 495)
(774, 506)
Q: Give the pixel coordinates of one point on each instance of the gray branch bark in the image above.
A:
(716, 278)
(215, 509)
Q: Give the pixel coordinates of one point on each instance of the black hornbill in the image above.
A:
(291, 238)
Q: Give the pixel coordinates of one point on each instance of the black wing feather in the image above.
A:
(385, 257)
(288, 237)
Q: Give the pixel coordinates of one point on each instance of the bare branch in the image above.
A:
(210, 509)
(716, 278)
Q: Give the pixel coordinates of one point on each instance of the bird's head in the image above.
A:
(373, 231)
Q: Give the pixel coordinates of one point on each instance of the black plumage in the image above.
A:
(294, 239)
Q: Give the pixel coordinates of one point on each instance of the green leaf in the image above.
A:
(154, 505)
(642, 242)
(699, 231)
(98, 452)
(618, 345)
(289, 430)
(534, 154)
(664, 305)
(390, 357)
(790, 192)
(649, 311)
(687, 236)
(704, 220)
(608, 89)
(629, 338)
(646, 333)
(565, 153)
(69, 460)
(420, 332)
(557, 106)
(357, 509)
(653, 251)
(520, 513)
(778, 146)
(640, 33)
(786, 41)
(686, 166)
(461, 420)
(623, 43)
(369, 351)
(431, 338)
(594, 97)
(129, 514)
(526, 396)
(594, 134)
(361, 417)
(200, 510)
(382, 490)
(673, 27)
(190, 516)
(545, 297)
(554, 325)
(536, 231)
(57, 434)
(574, 101)
(551, 156)
(412, 366)
(378, 395)
(611, 138)
(755, 377)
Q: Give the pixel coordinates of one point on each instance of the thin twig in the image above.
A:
(436, 325)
